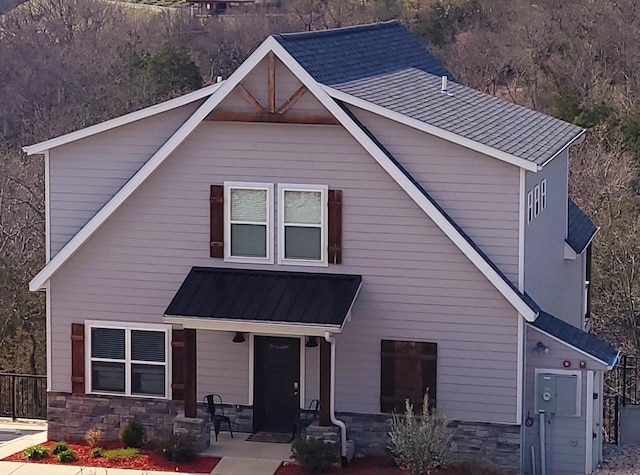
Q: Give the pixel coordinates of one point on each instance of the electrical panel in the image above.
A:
(557, 394)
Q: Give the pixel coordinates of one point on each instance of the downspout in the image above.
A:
(332, 397)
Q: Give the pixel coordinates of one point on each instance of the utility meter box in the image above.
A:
(557, 394)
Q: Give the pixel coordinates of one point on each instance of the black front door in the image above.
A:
(276, 387)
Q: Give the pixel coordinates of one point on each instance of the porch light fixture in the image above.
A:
(312, 342)
(541, 348)
(239, 337)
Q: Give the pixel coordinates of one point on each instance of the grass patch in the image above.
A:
(127, 453)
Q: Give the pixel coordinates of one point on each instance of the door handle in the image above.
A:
(295, 388)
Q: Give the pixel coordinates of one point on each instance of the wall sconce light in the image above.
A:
(239, 337)
(312, 342)
(541, 348)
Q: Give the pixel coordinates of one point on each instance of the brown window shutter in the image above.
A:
(177, 365)
(77, 358)
(335, 226)
(216, 244)
(407, 370)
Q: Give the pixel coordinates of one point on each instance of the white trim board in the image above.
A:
(588, 459)
(42, 147)
(271, 45)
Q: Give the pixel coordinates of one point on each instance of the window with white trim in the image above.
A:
(543, 194)
(128, 360)
(529, 206)
(302, 230)
(536, 201)
(248, 218)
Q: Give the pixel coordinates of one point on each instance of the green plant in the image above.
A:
(96, 452)
(35, 452)
(67, 455)
(476, 467)
(420, 444)
(127, 453)
(93, 436)
(177, 448)
(59, 447)
(132, 434)
(314, 455)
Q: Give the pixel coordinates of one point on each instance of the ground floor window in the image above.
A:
(408, 370)
(128, 359)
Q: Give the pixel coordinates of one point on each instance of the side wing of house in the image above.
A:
(417, 286)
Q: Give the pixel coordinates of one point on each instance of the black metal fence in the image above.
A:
(610, 419)
(23, 396)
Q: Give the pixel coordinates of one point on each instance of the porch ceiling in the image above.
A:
(264, 301)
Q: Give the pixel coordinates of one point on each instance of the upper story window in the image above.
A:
(302, 227)
(131, 361)
(543, 194)
(248, 228)
(536, 200)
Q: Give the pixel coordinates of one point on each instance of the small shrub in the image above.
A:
(66, 456)
(59, 447)
(35, 452)
(420, 444)
(93, 436)
(177, 448)
(314, 455)
(127, 453)
(132, 434)
(96, 452)
(477, 467)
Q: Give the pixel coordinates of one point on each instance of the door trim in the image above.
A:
(588, 465)
(302, 364)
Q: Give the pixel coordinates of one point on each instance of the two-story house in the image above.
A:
(338, 220)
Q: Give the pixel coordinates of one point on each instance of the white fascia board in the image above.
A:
(425, 204)
(575, 141)
(252, 326)
(147, 169)
(430, 129)
(569, 345)
(122, 120)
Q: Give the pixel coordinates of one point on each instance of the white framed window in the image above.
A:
(248, 222)
(529, 206)
(302, 227)
(543, 194)
(536, 201)
(128, 359)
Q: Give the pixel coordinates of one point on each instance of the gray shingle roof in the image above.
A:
(471, 114)
(581, 228)
(577, 338)
(346, 54)
(385, 65)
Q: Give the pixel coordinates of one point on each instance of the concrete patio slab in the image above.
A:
(245, 466)
(7, 468)
(238, 446)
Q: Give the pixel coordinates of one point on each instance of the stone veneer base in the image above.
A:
(496, 443)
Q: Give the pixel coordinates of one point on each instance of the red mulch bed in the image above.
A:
(143, 461)
(362, 466)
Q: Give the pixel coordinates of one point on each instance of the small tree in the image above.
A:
(420, 444)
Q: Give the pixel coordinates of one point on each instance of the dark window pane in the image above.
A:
(302, 243)
(147, 379)
(147, 346)
(107, 376)
(248, 240)
(107, 343)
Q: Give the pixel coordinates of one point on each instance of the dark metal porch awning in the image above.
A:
(299, 303)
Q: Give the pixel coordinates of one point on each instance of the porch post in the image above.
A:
(190, 407)
(325, 382)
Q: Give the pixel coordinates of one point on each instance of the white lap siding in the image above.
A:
(416, 284)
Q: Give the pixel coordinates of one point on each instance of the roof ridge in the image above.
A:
(339, 31)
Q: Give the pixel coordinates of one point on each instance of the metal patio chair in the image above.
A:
(213, 404)
(306, 417)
